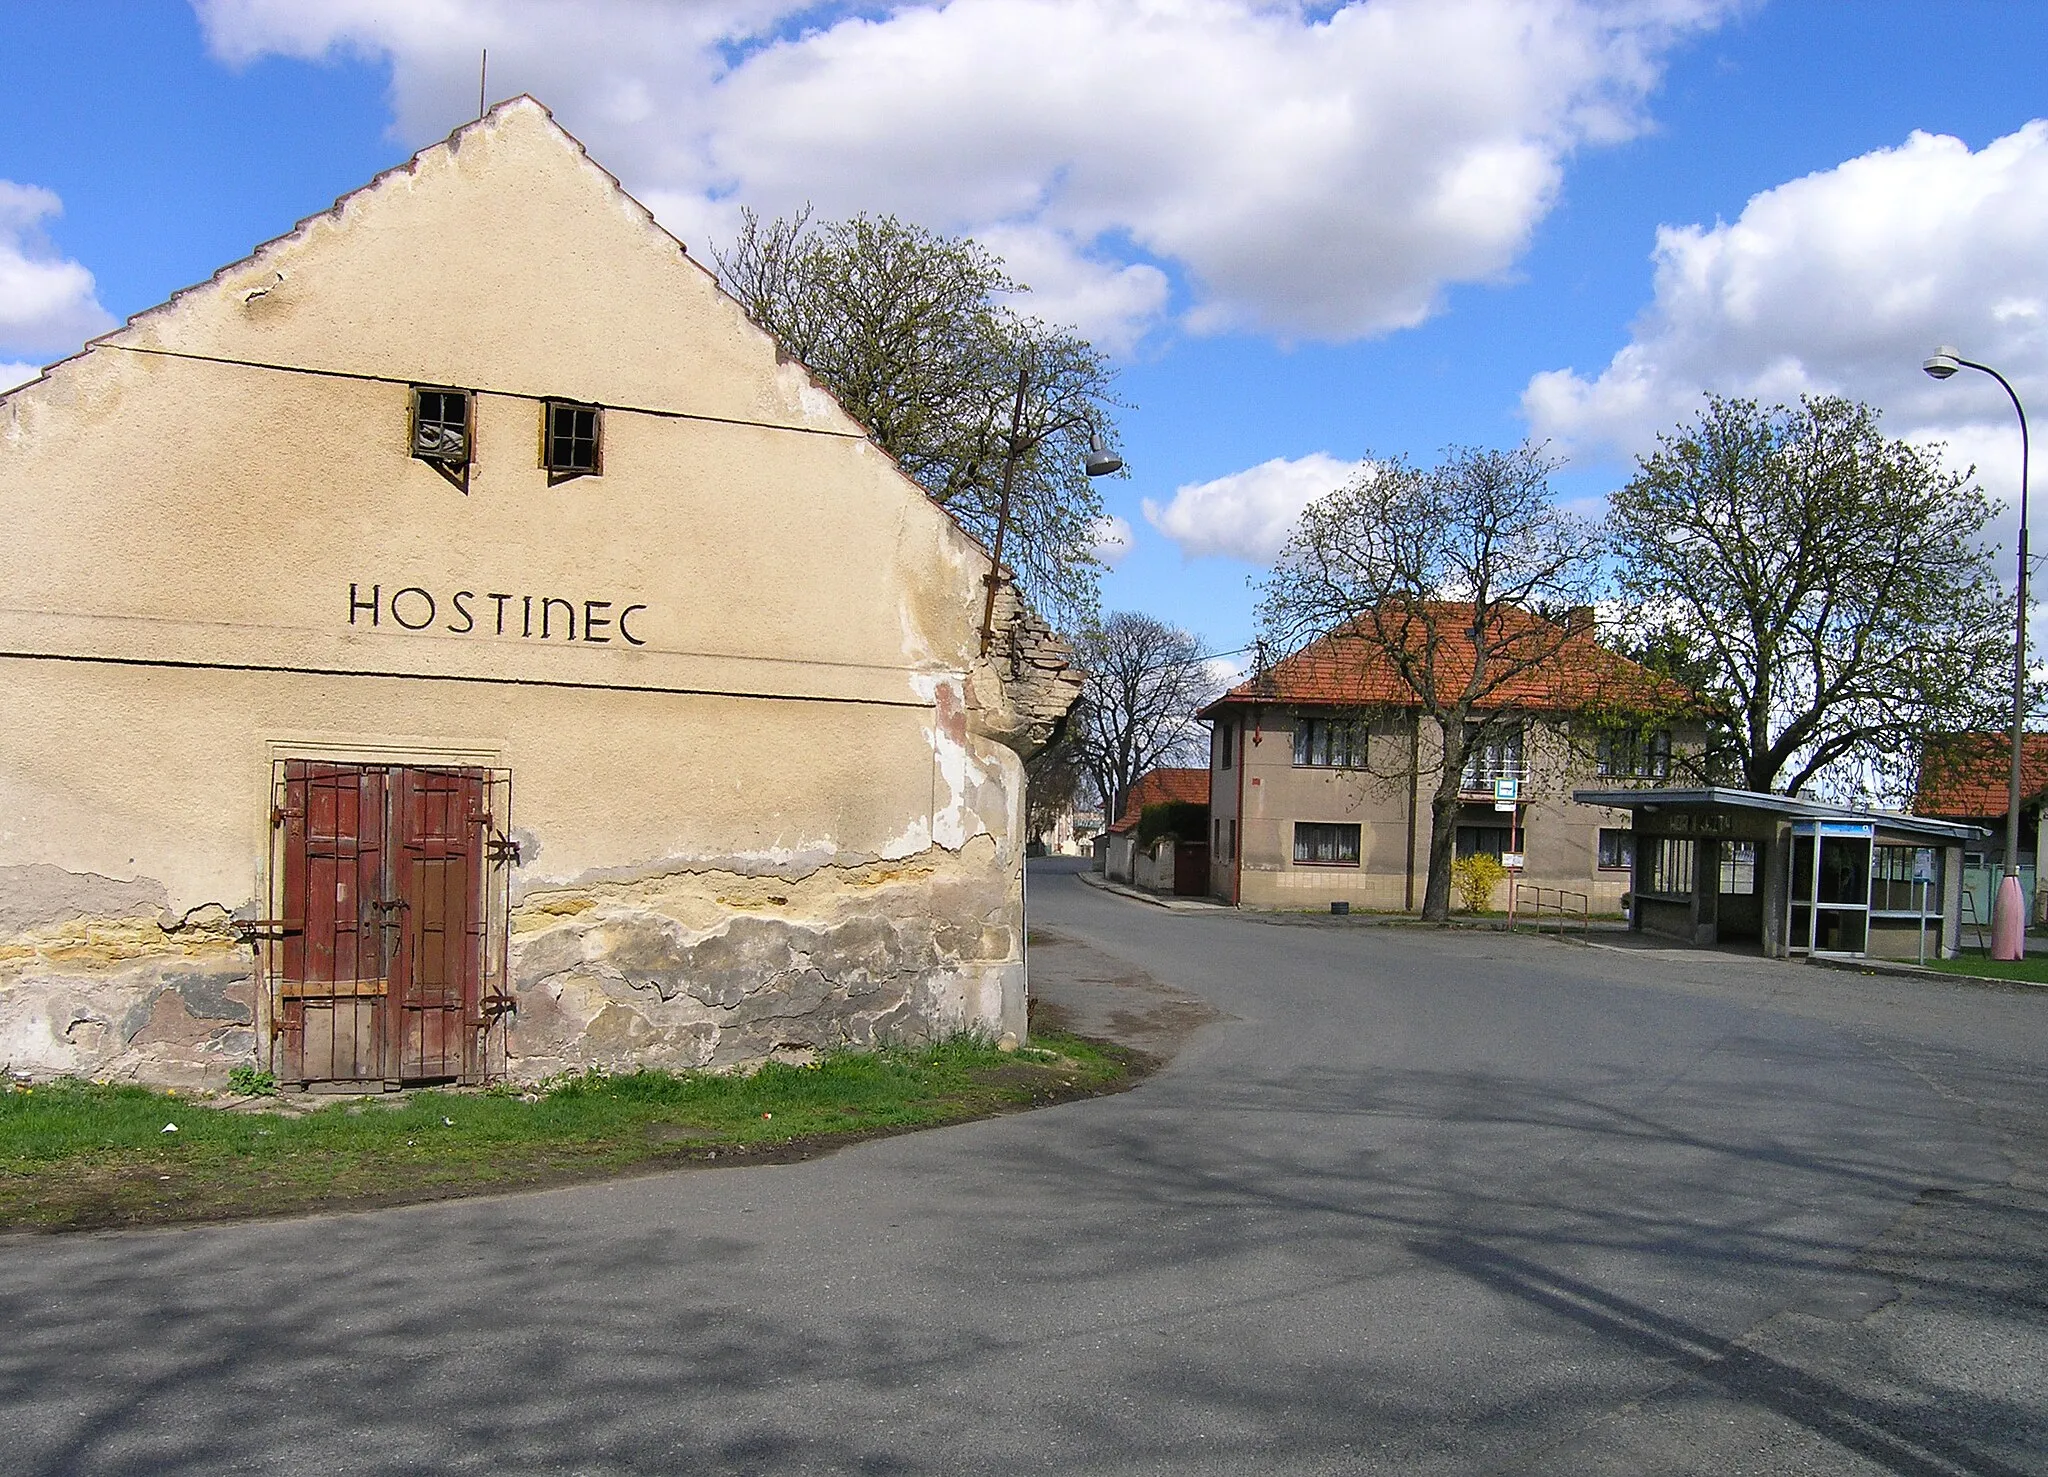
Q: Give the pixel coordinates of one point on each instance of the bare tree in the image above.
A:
(1828, 586)
(1052, 783)
(1460, 579)
(1145, 680)
(912, 332)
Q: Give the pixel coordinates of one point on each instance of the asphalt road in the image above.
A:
(1412, 1202)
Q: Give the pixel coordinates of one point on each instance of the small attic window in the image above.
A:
(440, 426)
(571, 440)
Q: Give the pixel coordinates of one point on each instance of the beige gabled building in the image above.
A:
(455, 640)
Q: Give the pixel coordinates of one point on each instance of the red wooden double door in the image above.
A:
(381, 957)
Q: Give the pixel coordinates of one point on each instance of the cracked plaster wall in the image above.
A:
(92, 987)
(682, 968)
(700, 968)
(721, 962)
(876, 898)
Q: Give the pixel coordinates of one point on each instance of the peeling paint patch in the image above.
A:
(98, 979)
(103, 943)
(173, 1019)
(42, 896)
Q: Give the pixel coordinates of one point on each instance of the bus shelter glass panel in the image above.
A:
(1830, 911)
(1799, 917)
(1906, 891)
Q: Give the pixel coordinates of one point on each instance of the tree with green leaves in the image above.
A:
(913, 332)
(1825, 588)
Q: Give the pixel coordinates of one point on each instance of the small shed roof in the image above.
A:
(1792, 807)
(1156, 786)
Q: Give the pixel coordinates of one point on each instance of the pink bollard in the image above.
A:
(2009, 921)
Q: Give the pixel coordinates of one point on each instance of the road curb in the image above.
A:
(1899, 969)
(1139, 895)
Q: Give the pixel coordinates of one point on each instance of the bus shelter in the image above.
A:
(1715, 866)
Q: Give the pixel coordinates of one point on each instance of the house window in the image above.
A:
(1629, 754)
(569, 434)
(1223, 733)
(1738, 869)
(1226, 840)
(1668, 866)
(1494, 754)
(440, 426)
(1321, 844)
(1617, 848)
(1482, 841)
(1329, 743)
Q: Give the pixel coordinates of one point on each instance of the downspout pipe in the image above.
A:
(1237, 837)
(1414, 781)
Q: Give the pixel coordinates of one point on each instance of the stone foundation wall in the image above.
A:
(682, 968)
(96, 980)
(710, 968)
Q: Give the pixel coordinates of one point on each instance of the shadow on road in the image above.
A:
(1763, 1255)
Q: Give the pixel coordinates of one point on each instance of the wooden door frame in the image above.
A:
(409, 847)
(391, 754)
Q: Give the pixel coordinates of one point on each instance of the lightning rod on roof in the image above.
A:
(483, 75)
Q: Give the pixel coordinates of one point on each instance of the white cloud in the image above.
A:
(1844, 281)
(1113, 539)
(1225, 672)
(47, 303)
(1116, 301)
(1307, 171)
(1248, 514)
(12, 374)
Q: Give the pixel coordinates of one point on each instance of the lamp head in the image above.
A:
(1101, 460)
(1945, 362)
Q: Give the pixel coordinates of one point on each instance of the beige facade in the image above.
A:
(1259, 795)
(763, 787)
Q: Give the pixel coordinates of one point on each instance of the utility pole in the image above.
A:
(994, 576)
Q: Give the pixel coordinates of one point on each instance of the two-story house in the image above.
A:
(1322, 769)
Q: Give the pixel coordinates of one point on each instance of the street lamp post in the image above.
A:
(2009, 910)
(1101, 462)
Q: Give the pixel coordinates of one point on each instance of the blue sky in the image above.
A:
(1307, 231)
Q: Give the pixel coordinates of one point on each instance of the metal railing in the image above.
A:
(1479, 775)
(1566, 906)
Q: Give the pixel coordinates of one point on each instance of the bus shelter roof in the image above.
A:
(1791, 807)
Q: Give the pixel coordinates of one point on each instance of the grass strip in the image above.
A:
(1982, 966)
(79, 1156)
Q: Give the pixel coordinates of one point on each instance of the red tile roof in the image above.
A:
(1156, 786)
(1969, 775)
(1351, 666)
